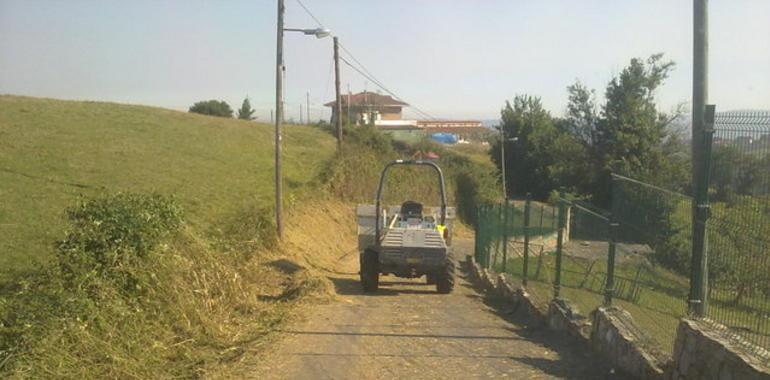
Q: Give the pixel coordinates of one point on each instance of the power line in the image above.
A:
(380, 85)
(310, 14)
(363, 70)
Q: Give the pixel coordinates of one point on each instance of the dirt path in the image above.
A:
(407, 330)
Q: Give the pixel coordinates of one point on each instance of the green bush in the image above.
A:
(111, 234)
(106, 252)
(213, 108)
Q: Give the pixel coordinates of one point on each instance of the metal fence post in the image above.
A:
(559, 242)
(491, 232)
(609, 288)
(525, 267)
(477, 235)
(506, 210)
(698, 303)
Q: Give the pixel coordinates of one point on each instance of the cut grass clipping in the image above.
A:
(138, 294)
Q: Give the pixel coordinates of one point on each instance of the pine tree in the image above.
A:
(246, 112)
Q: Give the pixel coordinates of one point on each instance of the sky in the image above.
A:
(449, 58)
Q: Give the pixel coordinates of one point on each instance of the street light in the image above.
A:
(319, 33)
(502, 157)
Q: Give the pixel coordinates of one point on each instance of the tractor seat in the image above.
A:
(411, 209)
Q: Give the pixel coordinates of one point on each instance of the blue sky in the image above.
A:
(455, 59)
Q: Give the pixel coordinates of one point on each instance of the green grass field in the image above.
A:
(53, 151)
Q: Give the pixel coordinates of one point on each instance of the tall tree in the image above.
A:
(582, 117)
(246, 112)
(631, 135)
(529, 136)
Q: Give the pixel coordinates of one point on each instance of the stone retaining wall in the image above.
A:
(701, 353)
(560, 315)
(563, 316)
(616, 337)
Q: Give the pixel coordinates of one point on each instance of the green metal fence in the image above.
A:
(654, 244)
(739, 230)
(638, 254)
(519, 237)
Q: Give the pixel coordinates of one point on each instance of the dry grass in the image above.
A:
(203, 310)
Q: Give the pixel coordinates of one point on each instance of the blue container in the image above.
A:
(444, 138)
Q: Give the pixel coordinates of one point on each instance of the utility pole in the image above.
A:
(338, 101)
(502, 159)
(279, 115)
(278, 120)
(307, 107)
(348, 104)
(271, 116)
(699, 264)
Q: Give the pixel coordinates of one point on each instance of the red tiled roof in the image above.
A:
(367, 98)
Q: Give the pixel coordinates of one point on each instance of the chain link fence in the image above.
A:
(638, 254)
(653, 239)
(739, 230)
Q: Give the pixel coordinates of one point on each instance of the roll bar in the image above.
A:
(378, 202)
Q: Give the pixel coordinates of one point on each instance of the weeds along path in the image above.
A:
(407, 330)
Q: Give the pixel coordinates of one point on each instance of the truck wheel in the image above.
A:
(370, 271)
(430, 279)
(445, 280)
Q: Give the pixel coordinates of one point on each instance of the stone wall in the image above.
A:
(564, 316)
(701, 353)
(616, 337)
(561, 315)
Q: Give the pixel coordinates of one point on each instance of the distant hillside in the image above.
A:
(52, 151)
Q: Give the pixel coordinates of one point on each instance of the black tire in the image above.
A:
(430, 279)
(445, 280)
(370, 271)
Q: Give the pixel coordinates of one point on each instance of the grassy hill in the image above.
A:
(136, 294)
(53, 151)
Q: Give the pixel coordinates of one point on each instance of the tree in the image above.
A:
(213, 108)
(737, 252)
(631, 135)
(572, 166)
(246, 112)
(735, 172)
(582, 118)
(529, 137)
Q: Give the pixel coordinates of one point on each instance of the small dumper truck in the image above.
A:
(408, 240)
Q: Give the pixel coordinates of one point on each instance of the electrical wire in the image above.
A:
(380, 85)
(363, 70)
(310, 14)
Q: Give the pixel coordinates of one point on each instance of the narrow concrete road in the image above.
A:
(408, 331)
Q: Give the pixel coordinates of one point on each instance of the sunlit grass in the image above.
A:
(53, 151)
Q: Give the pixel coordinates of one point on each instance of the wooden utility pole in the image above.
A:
(278, 120)
(348, 104)
(502, 161)
(338, 102)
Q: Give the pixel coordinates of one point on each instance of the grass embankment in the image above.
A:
(220, 170)
(469, 181)
(129, 292)
(214, 286)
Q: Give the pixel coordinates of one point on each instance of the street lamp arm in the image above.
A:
(318, 32)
